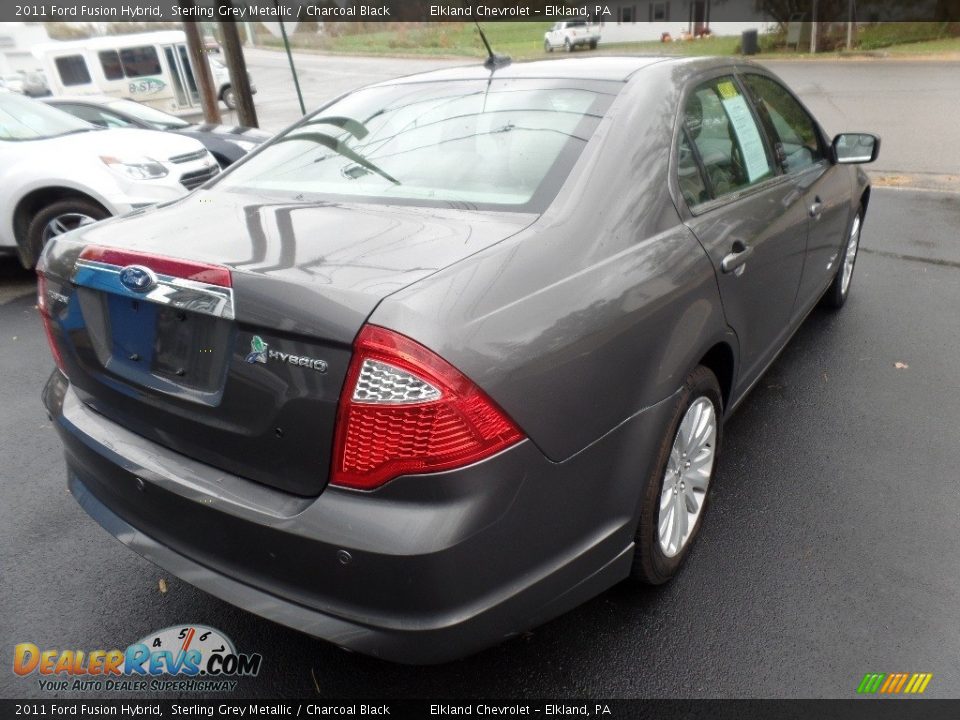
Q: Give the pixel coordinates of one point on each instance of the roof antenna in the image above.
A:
(493, 60)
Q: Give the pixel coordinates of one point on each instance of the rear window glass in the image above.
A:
(504, 144)
(72, 70)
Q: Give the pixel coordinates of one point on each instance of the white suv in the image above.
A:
(59, 172)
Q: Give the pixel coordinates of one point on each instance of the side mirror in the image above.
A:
(852, 148)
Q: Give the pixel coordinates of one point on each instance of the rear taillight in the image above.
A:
(43, 305)
(405, 410)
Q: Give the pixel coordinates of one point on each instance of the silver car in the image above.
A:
(453, 354)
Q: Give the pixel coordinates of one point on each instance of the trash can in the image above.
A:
(749, 45)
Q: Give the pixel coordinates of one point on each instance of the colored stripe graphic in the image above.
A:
(894, 683)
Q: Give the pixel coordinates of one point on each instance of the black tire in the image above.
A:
(229, 97)
(836, 296)
(593, 44)
(650, 564)
(567, 47)
(547, 47)
(66, 206)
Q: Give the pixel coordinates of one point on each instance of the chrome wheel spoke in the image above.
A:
(687, 476)
(65, 223)
(850, 256)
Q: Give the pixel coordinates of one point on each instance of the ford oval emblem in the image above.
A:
(138, 278)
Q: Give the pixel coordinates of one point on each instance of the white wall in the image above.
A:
(16, 39)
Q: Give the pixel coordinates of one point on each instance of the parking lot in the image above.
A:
(830, 547)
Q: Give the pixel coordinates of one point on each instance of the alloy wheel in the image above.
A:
(65, 223)
(687, 477)
(850, 256)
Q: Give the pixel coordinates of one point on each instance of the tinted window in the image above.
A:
(93, 115)
(72, 70)
(140, 61)
(796, 135)
(110, 62)
(692, 185)
(727, 137)
(503, 143)
(154, 117)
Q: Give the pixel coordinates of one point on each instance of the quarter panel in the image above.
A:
(596, 311)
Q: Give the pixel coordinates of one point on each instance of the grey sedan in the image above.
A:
(453, 354)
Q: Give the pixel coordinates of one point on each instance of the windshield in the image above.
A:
(25, 119)
(158, 119)
(504, 144)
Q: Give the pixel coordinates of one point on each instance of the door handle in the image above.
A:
(816, 208)
(735, 261)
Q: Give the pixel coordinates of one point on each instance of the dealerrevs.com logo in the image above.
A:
(192, 658)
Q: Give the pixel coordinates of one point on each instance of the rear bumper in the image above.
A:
(424, 570)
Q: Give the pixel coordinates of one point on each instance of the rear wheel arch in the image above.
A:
(35, 201)
(720, 360)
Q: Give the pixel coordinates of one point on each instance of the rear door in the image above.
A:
(802, 153)
(748, 215)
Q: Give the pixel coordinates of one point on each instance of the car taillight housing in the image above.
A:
(43, 305)
(405, 410)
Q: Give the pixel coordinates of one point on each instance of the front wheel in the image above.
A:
(58, 218)
(676, 495)
(839, 290)
(593, 44)
(547, 47)
(567, 47)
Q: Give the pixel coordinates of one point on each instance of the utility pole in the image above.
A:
(293, 69)
(239, 80)
(201, 69)
(850, 6)
(813, 28)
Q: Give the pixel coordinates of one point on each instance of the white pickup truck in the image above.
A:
(568, 35)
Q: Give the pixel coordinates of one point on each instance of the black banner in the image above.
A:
(455, 10)
(609, 708)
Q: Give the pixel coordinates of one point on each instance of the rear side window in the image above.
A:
(795, 133)
(692, 185)
(726, 137)
(140, 61)
(110, 63)
(72, 70)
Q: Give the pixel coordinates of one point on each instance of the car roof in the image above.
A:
(609, 68)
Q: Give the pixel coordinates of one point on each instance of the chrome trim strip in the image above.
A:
(173, 291)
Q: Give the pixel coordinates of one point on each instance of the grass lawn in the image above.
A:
(931, 47)
(524, 41)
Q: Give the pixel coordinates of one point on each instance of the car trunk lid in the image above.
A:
(235, 348)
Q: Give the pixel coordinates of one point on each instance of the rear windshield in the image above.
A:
(506, 144)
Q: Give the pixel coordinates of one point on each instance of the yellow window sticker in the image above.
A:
(727, 90)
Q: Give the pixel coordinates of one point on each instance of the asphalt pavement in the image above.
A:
(829, 550)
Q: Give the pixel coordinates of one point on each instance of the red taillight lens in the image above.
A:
(405, 410)
(43, 305)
